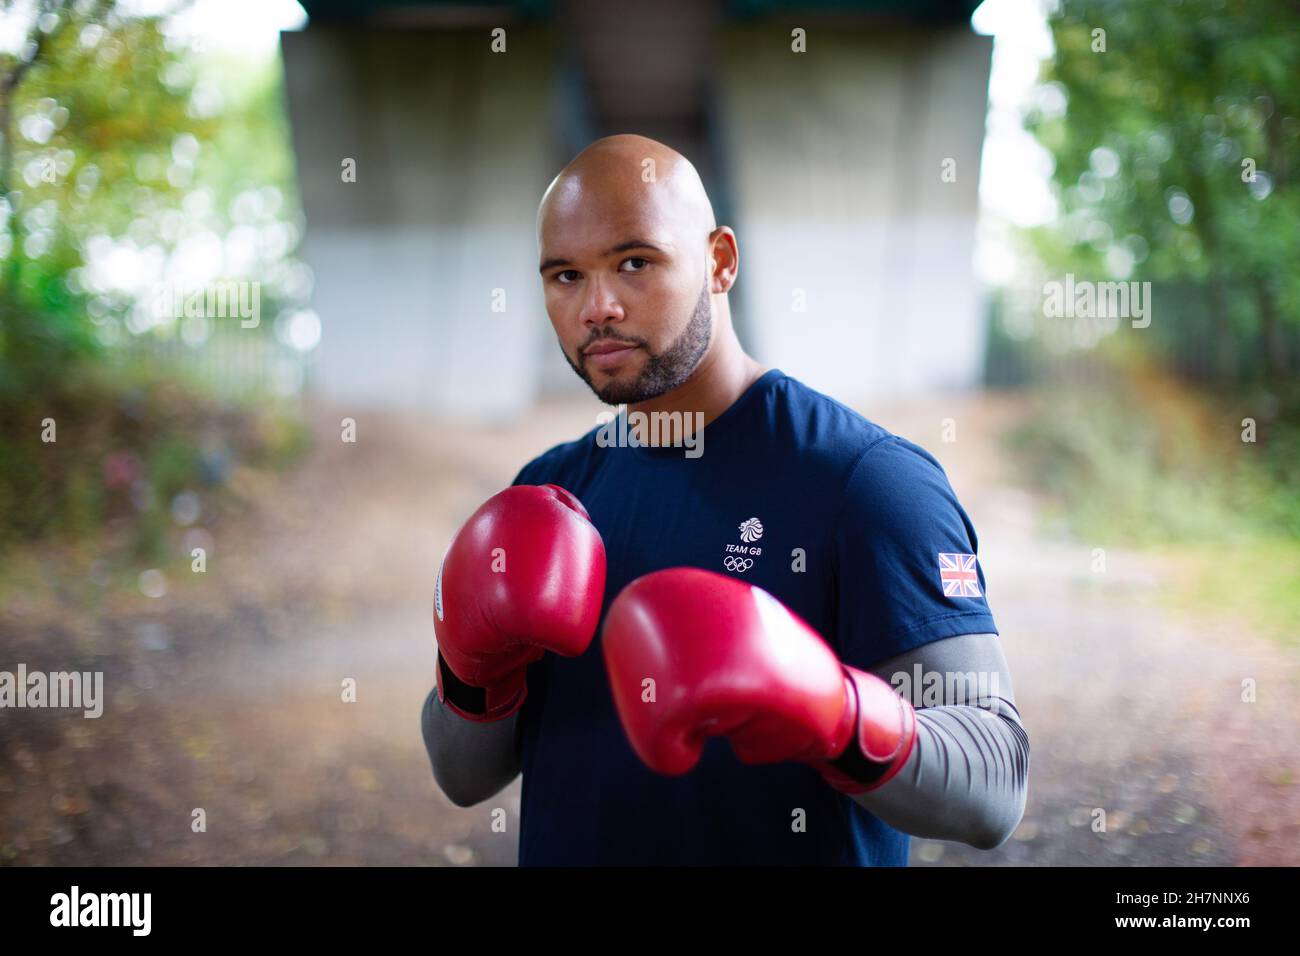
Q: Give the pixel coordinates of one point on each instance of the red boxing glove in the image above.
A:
(525, 575)
(729, 659)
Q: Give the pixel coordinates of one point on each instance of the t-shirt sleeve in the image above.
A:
(906, 555)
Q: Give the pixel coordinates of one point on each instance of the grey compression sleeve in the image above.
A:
(966, 779)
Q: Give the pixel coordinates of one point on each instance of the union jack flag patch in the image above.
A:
(958, 576)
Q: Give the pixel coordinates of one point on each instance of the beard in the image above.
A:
(664, 371)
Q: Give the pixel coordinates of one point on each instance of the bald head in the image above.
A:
(628, 174)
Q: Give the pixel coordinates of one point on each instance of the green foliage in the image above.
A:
(123, 140)
(1154, 149)
(128, 441)
(1149, 461)
(1260, 577)
(249, 148)
(95, 119)
(120, 139)
(1155, 139)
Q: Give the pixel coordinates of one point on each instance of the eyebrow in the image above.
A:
(621, 247)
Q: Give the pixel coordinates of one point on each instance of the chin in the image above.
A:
(614, 389)
(608, 387)
(619, 386)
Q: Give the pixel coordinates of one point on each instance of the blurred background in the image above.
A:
(270, 329)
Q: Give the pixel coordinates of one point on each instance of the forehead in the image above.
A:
(580, 218)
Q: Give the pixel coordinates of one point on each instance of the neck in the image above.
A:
(721, 378)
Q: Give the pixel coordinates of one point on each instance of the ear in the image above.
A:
(724, 260)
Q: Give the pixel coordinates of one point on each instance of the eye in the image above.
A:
(559, 276)
(640, 259)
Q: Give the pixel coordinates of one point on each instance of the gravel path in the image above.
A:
(226, 695)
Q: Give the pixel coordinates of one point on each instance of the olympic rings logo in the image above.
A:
(737, 564)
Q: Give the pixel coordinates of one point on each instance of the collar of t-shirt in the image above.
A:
(713, 430)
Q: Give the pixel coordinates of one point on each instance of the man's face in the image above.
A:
(632, 314)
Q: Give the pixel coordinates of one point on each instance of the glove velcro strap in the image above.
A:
(480, 704)
(886, 732)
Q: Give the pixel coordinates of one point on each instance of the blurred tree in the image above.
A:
(96, 122)
(1175, 128)
(132, 162)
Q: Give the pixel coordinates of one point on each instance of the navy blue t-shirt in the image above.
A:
(855, 529)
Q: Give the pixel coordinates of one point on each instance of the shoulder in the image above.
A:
(826, 431)
(822, 417)
(897, 483)
(896, 461)
(898, 488)
(878, 472)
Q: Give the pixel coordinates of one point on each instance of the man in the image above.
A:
(728, 706)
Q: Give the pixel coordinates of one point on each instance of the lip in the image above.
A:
(606, 355)
(600, 348)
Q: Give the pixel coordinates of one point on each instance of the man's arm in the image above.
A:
(552, 593)
(967, 776)
(471, 760)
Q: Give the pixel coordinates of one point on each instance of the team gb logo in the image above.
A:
(751, 530)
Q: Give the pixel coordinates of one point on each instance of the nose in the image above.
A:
(600, 306)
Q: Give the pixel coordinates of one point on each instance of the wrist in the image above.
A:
(882, 737)
(481, 704)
